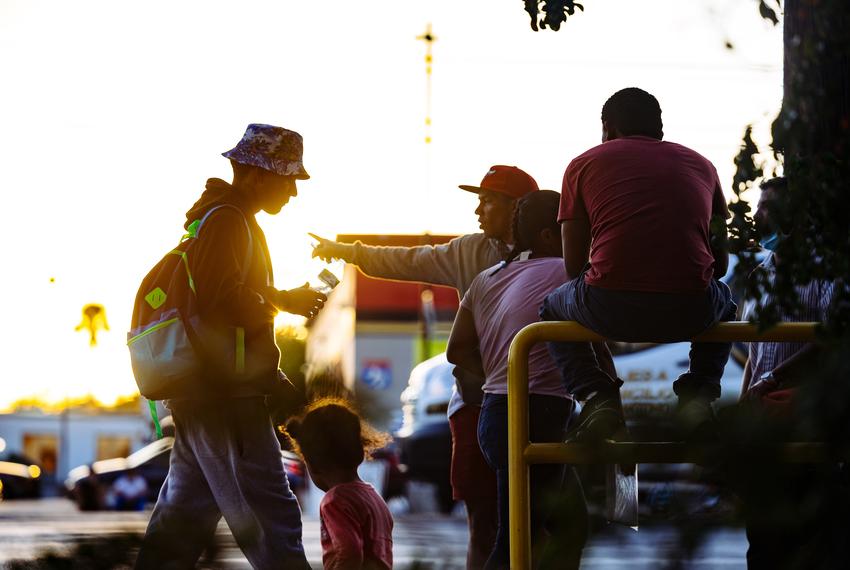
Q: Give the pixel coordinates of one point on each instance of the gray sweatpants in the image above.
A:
(226, 461)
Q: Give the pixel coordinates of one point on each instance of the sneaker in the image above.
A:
(601, 418)
(696, 420)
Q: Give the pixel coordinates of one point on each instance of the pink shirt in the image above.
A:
(502, 304)
(649, 203)
(357, 528)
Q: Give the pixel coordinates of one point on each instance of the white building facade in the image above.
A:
(59, 442)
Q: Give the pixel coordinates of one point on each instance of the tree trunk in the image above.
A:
(815, 115)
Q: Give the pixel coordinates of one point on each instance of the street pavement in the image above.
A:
(28, 529)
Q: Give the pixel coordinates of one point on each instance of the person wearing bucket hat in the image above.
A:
(271, 148)
(226, 456)
(455, 264)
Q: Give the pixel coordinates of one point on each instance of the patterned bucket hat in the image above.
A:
(273, 148)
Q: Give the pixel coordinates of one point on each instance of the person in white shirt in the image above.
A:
(131, 491)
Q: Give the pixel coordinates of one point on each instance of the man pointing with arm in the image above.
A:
(455, 264)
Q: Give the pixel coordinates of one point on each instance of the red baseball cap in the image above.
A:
(508, 180)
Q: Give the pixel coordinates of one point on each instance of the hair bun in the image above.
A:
(293, 427)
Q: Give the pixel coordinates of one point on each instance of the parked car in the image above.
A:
(424, 439)
(648, 372)
(151, 462)
(19, 479)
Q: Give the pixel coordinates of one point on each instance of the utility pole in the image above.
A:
(429, 38)
(427, 312)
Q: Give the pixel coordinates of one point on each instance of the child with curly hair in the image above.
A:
(356, 526)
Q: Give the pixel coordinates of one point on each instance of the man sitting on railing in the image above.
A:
(639, 210)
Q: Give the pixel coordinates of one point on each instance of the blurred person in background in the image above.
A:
(795, 513)
(131, 491)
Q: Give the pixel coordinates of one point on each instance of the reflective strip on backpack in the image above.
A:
(185, 259)
(152, 329)
(155, 418)
(240, 350)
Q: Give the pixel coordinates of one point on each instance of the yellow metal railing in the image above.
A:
(522, 453)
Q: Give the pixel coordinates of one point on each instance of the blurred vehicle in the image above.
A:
(424, 439)
(19, 479)
(151, 462)
(648, 372)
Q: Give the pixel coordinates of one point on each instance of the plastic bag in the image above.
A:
(621, 496)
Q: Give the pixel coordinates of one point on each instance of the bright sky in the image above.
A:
(114, 114)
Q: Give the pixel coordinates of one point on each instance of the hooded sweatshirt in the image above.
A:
(227, 303)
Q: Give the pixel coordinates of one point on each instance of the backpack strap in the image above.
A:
(249, 250)
(240, 332)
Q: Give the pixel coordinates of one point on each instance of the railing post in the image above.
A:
(520, 541)
(521, 452)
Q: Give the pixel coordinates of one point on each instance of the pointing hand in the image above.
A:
(328, 250)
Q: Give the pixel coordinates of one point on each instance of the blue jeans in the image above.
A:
(553, 488)
(637, 316)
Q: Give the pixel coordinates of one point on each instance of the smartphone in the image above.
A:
(330, 281)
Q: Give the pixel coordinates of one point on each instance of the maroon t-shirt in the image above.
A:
(649, 204)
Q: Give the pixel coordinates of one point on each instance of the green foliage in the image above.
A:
(288, 400)
(292, 345)
(812, 136)
(740, 228)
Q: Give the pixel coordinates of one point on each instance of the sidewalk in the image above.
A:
(423, 541)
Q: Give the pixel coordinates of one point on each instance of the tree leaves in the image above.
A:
(767, 12)
(554, 12)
